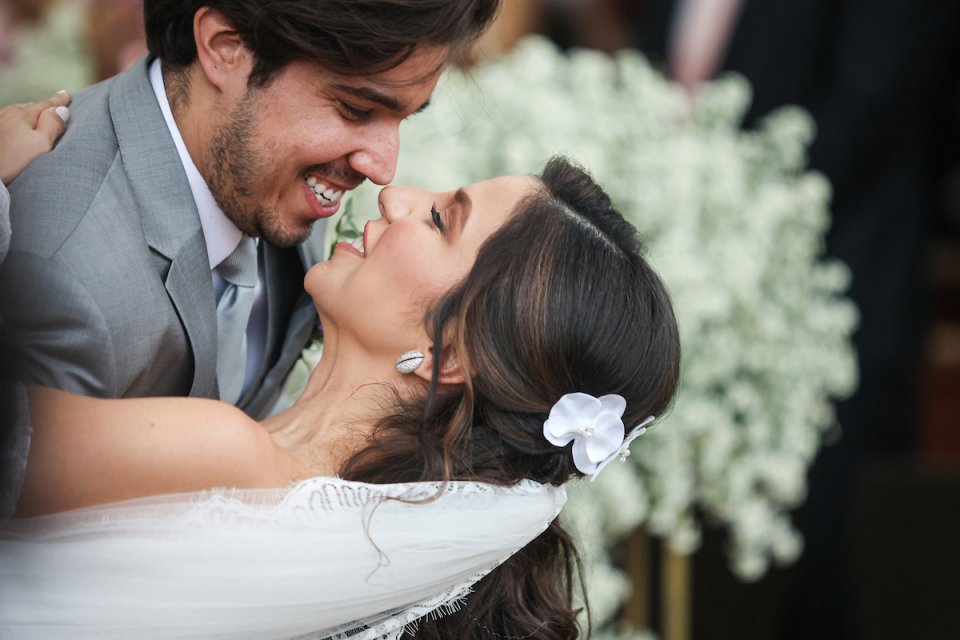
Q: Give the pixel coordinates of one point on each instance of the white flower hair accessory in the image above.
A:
(595, 427)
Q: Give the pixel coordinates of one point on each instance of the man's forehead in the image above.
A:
(404, 89)
(421, 69)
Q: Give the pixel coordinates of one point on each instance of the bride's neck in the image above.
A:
(345, 396)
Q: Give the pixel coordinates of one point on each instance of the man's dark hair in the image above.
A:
(349, 36)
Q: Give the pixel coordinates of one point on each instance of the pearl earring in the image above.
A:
(409, 362)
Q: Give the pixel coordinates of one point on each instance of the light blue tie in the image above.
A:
(239, 270)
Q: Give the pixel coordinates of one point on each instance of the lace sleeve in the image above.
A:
(325, 559)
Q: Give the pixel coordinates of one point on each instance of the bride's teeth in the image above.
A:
(358, 245)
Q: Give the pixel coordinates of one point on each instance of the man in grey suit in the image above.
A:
(160, 249)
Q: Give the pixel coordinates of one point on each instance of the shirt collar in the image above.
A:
(219, 232)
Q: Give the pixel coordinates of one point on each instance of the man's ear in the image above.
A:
(222, 56)
(450, 370)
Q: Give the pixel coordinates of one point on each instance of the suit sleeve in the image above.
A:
(4, 221)
(53, 329)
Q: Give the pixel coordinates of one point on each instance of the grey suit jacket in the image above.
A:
(106, 290)
(4, 221)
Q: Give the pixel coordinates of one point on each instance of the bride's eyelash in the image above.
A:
(437, 219)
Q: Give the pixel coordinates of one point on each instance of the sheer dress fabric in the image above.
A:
(326, 558)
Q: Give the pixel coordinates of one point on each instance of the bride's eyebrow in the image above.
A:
(461, 197)
(465, 205)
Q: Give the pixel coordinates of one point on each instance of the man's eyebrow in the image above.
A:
(372, 95)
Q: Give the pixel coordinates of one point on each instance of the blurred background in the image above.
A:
(880, 513)
(881, 79)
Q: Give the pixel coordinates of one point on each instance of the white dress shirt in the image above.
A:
(219, 233)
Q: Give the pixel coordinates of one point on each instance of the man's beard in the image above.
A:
(233, 171)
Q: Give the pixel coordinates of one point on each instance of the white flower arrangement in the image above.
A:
(734, 224)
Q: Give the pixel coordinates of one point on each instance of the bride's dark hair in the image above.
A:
(559, 301)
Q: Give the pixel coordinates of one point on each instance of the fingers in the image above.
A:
(52, 123)
(34, 109)
(26, 131)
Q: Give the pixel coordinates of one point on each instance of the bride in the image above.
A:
(481, 348)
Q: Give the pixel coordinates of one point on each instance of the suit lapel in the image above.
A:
(169, 216)
(190, 287)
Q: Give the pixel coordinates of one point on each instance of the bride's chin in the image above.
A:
(317, 283)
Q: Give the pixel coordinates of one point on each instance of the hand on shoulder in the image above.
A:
(29, 130)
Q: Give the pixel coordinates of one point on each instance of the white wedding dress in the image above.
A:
(326, 558)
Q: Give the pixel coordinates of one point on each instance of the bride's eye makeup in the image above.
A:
(437, 218)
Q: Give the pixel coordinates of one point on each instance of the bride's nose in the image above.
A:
(399, 202)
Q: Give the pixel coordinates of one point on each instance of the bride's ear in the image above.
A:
(450, 370)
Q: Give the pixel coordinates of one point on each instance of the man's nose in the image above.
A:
(377, 156)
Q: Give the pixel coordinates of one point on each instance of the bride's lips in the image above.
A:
(349, 248)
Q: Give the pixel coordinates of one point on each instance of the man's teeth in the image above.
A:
(323, 193)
